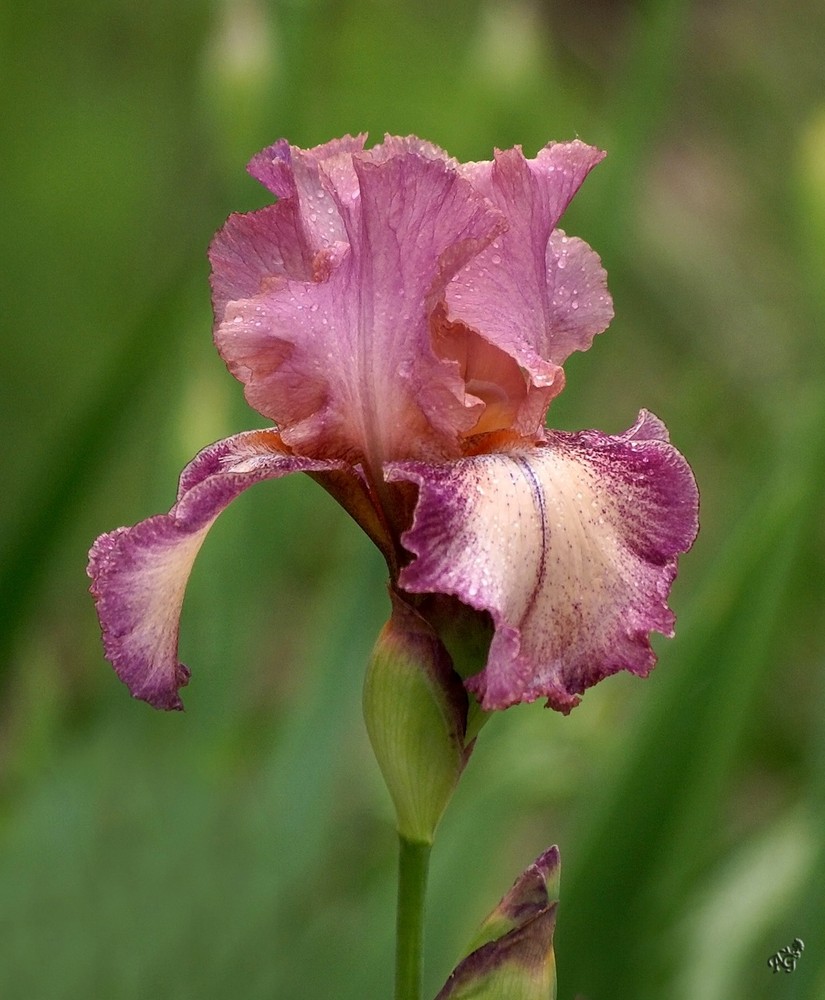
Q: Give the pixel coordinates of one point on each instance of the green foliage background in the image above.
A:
(245, 849)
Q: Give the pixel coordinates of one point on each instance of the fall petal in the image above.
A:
(571, 548)
(139, 574)
(343, 360)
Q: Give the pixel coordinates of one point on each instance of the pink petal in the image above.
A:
(139, 574)
(570, 546)
(533, 292)
(253, 251)
(342, 361)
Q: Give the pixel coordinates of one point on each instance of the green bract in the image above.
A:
(415, 709)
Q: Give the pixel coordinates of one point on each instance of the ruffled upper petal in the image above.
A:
(342, 359)
(256, 250)
(534, 293)
(570, 546)
(139, 574)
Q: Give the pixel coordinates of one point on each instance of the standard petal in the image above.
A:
(571, 548)
(534, 293)
(139, 574)
(344, 362)
(291, 239)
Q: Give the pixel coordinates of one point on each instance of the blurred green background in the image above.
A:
(245, 849)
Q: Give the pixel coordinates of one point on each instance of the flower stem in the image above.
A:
(413, 864)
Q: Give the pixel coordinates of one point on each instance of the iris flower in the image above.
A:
(403, 319)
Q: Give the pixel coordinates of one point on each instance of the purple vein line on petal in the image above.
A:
(538, 500)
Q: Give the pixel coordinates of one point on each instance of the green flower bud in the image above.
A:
(512, 956)
(415, 708)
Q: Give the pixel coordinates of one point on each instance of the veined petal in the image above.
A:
(570, 546)
(534, 293)
(343, 360)
(139, 574)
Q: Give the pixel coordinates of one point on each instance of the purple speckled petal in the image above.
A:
(139, 574)
(513, 954)
(570, 546)
(343, 362)
(534, 293)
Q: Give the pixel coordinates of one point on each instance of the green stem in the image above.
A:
(413, 863)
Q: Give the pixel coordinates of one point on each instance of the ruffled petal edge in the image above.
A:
(139, 574)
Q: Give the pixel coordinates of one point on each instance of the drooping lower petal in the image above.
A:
(139, 574)
(569, 545)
